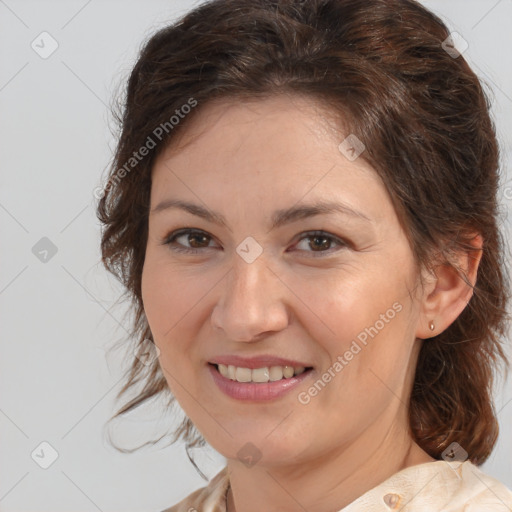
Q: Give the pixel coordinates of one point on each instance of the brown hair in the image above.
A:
(381, 67)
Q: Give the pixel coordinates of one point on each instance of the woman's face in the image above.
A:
(340, 302)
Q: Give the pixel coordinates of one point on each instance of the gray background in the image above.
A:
(59, 317)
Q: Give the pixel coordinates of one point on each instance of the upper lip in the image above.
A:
(257, 361)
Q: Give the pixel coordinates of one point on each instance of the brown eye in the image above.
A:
(321, 242)
(197, 239)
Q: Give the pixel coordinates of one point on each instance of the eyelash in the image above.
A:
(169, 240)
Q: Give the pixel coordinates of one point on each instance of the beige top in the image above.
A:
(429, 487)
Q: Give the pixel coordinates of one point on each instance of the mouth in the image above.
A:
(262, 375)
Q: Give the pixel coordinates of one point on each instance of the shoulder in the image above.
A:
(437, 487)
(459, 487)
(483, 491)
(463, 487)
(210, 498)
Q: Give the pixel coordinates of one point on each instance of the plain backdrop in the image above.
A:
(58, 312)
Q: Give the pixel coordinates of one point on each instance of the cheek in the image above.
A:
(168, 295)
(348, 303)
(157, 298)
(174, 299)
(167, 299)
(361, 323)
(165, 310)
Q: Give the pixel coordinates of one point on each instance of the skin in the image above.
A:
(245, 159)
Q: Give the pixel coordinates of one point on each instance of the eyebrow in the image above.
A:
(279, 217)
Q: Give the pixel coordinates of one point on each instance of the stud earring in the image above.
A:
(431, 325)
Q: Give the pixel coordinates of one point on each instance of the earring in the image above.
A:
(431, 325)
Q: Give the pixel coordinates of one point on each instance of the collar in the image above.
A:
(429, 487)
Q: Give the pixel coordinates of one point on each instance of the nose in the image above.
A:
(252, 301)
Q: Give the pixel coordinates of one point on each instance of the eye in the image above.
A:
(320, 240)
(199, 239)
(195, 235)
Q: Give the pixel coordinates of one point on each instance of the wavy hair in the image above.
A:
(382, 69)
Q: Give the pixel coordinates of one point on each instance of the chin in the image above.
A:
(260, 450)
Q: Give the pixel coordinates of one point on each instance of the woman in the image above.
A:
(303, 210)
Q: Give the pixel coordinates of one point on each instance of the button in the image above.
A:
(392, 500)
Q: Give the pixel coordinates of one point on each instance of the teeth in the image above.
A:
(243, 375)
(265, 374)
(276, 373)
(260, 375)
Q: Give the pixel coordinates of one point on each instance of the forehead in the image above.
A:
(277, 149)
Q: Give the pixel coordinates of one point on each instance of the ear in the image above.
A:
(446, 295)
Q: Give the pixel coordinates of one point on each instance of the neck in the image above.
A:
(323, 485)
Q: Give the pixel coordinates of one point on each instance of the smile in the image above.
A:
(275, 381)
(264, 374)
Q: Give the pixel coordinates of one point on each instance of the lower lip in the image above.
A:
(256, 391)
